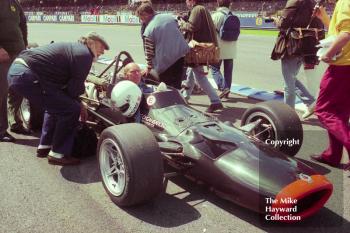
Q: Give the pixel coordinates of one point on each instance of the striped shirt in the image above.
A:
(149, 51)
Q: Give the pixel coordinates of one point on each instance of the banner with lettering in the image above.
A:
(66, 18)
(89, 18)
(112, 19)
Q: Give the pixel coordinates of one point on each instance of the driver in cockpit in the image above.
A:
(133, 73)
(128, 95)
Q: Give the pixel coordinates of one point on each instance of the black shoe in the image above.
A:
(21, 130)
(197, 90)
(64, 161)
(320, 159)
(42, 153)
(6, 137)
(214, 107)
(346, 167)
(280, 93)
(224, 93)
(184, 86)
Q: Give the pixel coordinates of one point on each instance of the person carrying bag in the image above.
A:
(203, 53)
(200, 27)
(295, 45)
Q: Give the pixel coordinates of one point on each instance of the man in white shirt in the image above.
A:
(228, 51)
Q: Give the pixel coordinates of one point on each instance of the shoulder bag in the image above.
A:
(203, 53)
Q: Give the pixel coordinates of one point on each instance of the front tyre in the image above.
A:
(130, 163)
(280, 126)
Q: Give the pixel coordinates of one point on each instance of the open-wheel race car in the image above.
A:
(252, 166)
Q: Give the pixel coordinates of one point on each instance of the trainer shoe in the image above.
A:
(197, 90)
(184, 86)
(6, 137)
(20, 130)
(214, 107)
(224, 93)
(309, 111)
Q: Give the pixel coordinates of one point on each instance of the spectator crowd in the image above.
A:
(114, 6)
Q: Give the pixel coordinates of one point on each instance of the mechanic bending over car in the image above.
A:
(52, 77)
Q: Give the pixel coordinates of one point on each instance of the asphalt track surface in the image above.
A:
(37, 197)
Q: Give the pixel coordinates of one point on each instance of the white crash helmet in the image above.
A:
(126, 96)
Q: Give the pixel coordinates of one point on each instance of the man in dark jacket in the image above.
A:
(200, 27)
(13, 39)
(297, 17)
(53, 77)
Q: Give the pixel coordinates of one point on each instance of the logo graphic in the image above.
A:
(305, 177)
(258, 21)
(151, 100)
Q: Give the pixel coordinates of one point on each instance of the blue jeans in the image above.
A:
(223, 83)
(292, 86)
(198, 74)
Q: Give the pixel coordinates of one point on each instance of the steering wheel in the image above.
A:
(120, 62)
(151, 81)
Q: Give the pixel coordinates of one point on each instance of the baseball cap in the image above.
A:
(97, 37)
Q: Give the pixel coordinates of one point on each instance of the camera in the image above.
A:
(182, 16)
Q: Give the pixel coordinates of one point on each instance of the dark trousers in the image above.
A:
(14, 104)
(173, 75)
(333, 110)
(4, 67)
(10, 102)
(61, 111)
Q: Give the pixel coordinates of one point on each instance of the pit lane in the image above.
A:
(37, 197)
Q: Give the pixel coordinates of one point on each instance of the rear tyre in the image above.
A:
(279, 123)
(31, 115)
(130, 163)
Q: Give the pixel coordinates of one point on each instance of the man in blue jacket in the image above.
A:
(166, 59)
(53, 77)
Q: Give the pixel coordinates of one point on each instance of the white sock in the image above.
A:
(56, 155)
(44, 146)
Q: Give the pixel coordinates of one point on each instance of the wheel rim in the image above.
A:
(112, 167)
(266, 129)
(25, 112)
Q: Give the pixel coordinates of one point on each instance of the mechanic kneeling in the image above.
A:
(52, 77)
